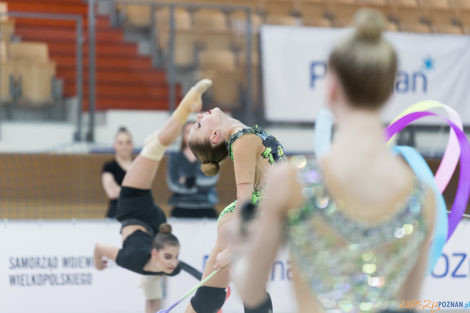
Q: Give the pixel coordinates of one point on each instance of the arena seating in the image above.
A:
(221, 67)
(313, 14)
(123, 76)
(7, 25)
(34, 71)
(280, 7)
(124, 79)
(27, 73)
(7, 72)
(137, 15)
(7, 69)
(199, 31)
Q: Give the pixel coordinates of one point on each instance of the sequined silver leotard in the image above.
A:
(351, 266)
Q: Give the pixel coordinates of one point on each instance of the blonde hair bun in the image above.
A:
(210, 168)
(165, 228)
(369, 24)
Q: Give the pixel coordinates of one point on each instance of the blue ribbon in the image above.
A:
(425, 175)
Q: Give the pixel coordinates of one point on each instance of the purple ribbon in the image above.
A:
(463, 188)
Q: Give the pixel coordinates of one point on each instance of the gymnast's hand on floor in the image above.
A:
(101, 264)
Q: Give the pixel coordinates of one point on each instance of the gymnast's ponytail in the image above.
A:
(210, 156)
(210, 168)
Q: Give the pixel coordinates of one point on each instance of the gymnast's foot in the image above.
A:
(193, 97)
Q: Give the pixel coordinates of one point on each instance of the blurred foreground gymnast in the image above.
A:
(357, 221)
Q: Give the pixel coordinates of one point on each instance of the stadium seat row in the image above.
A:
(205, 37)
(448, 16)
(26, 71)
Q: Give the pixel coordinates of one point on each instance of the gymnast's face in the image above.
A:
(167, 258)
(123, 145)
(206, 127)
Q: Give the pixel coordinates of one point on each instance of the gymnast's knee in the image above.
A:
(265, 307)
(208, 299)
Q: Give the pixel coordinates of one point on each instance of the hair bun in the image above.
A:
(164, 228)
(210, 168)
(369, 24)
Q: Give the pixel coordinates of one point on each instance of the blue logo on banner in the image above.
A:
(406, 81)
(417, 81)
(281, 271)
(428, 63)
(453, 266)
(317, 71)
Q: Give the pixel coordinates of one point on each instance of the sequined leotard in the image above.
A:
(349, 265)
(273, 152)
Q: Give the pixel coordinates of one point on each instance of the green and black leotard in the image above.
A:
(273, 152)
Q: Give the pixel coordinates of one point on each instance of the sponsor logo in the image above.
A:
(407, 82)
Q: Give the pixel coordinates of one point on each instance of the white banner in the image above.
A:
(47, 267)
(294, 65)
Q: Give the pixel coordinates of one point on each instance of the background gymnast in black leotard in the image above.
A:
(148, 246)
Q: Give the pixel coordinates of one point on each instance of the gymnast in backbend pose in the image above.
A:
(357, 221)
(214, 137)
(149, 248)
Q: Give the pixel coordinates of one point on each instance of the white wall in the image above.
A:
(34, 137)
